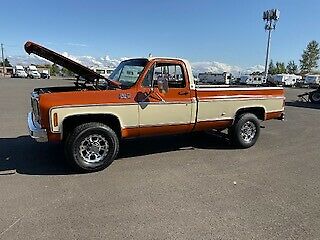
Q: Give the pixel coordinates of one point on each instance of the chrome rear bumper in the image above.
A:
(35, 130)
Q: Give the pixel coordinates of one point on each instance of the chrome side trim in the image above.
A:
(214, 119)
(118, 104)
(35, 130)
(212, 99)
(220, 88)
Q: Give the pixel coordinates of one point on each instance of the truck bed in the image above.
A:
(223, 103)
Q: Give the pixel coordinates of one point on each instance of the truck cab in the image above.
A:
(18, 71)
(33, 72)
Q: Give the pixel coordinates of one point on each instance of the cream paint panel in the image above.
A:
(165, 113)
(127, 114)
(226, 109)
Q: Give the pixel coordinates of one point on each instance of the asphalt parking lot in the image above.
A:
(183, 188)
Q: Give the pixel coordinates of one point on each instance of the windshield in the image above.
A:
(128, 72)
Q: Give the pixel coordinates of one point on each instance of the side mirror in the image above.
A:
(163, 85)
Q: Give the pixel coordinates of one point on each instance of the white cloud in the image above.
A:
(256, 68)
(216, 67)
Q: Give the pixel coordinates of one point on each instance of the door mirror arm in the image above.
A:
(147, 95)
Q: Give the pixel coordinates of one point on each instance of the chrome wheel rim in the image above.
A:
(94, 148)
(248, 131)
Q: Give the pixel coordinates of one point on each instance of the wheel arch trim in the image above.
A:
(250, 109)
(78, 114)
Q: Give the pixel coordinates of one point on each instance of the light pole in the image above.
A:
(270, 17)
(3, 66)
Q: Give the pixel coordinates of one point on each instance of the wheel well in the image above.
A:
(258, 111)
(71, 122)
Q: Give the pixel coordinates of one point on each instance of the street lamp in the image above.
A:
(270, 17)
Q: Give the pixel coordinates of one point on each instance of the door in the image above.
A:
(164, 113)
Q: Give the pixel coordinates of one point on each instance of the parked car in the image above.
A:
(137, 102)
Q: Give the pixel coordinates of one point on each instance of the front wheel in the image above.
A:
(245, 131)
(92, 146)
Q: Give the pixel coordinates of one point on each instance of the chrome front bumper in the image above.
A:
(35, 130)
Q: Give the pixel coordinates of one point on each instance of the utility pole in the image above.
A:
(3, 66)
(270, 17)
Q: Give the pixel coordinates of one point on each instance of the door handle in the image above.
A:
(183, 93)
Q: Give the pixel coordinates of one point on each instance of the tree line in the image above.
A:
(308, 62)
(6, 63)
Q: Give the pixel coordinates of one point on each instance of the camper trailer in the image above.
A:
(285, 79)
(104, 71)
(252, 80)
(214, 78)
(312, 80)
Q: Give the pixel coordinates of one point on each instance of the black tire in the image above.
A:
(315, 97)
(245, 131)
(91, 138)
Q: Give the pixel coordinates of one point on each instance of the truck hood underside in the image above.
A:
(73, 66)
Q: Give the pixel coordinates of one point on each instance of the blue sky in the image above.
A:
(229, 31)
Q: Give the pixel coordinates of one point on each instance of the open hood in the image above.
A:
(57, 58)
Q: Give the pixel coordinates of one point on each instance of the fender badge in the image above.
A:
(124, 95)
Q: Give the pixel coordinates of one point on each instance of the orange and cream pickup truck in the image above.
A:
(142, 97)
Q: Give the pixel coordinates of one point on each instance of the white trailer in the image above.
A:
(312, 80)
(104, 71)
(285, 79)
(214, 78)
(252, 79)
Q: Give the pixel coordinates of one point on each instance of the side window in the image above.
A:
(173, 72)
(147, 81)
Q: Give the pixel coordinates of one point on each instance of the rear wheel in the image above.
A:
(315, 97)
(92, 146)
(245, 131)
